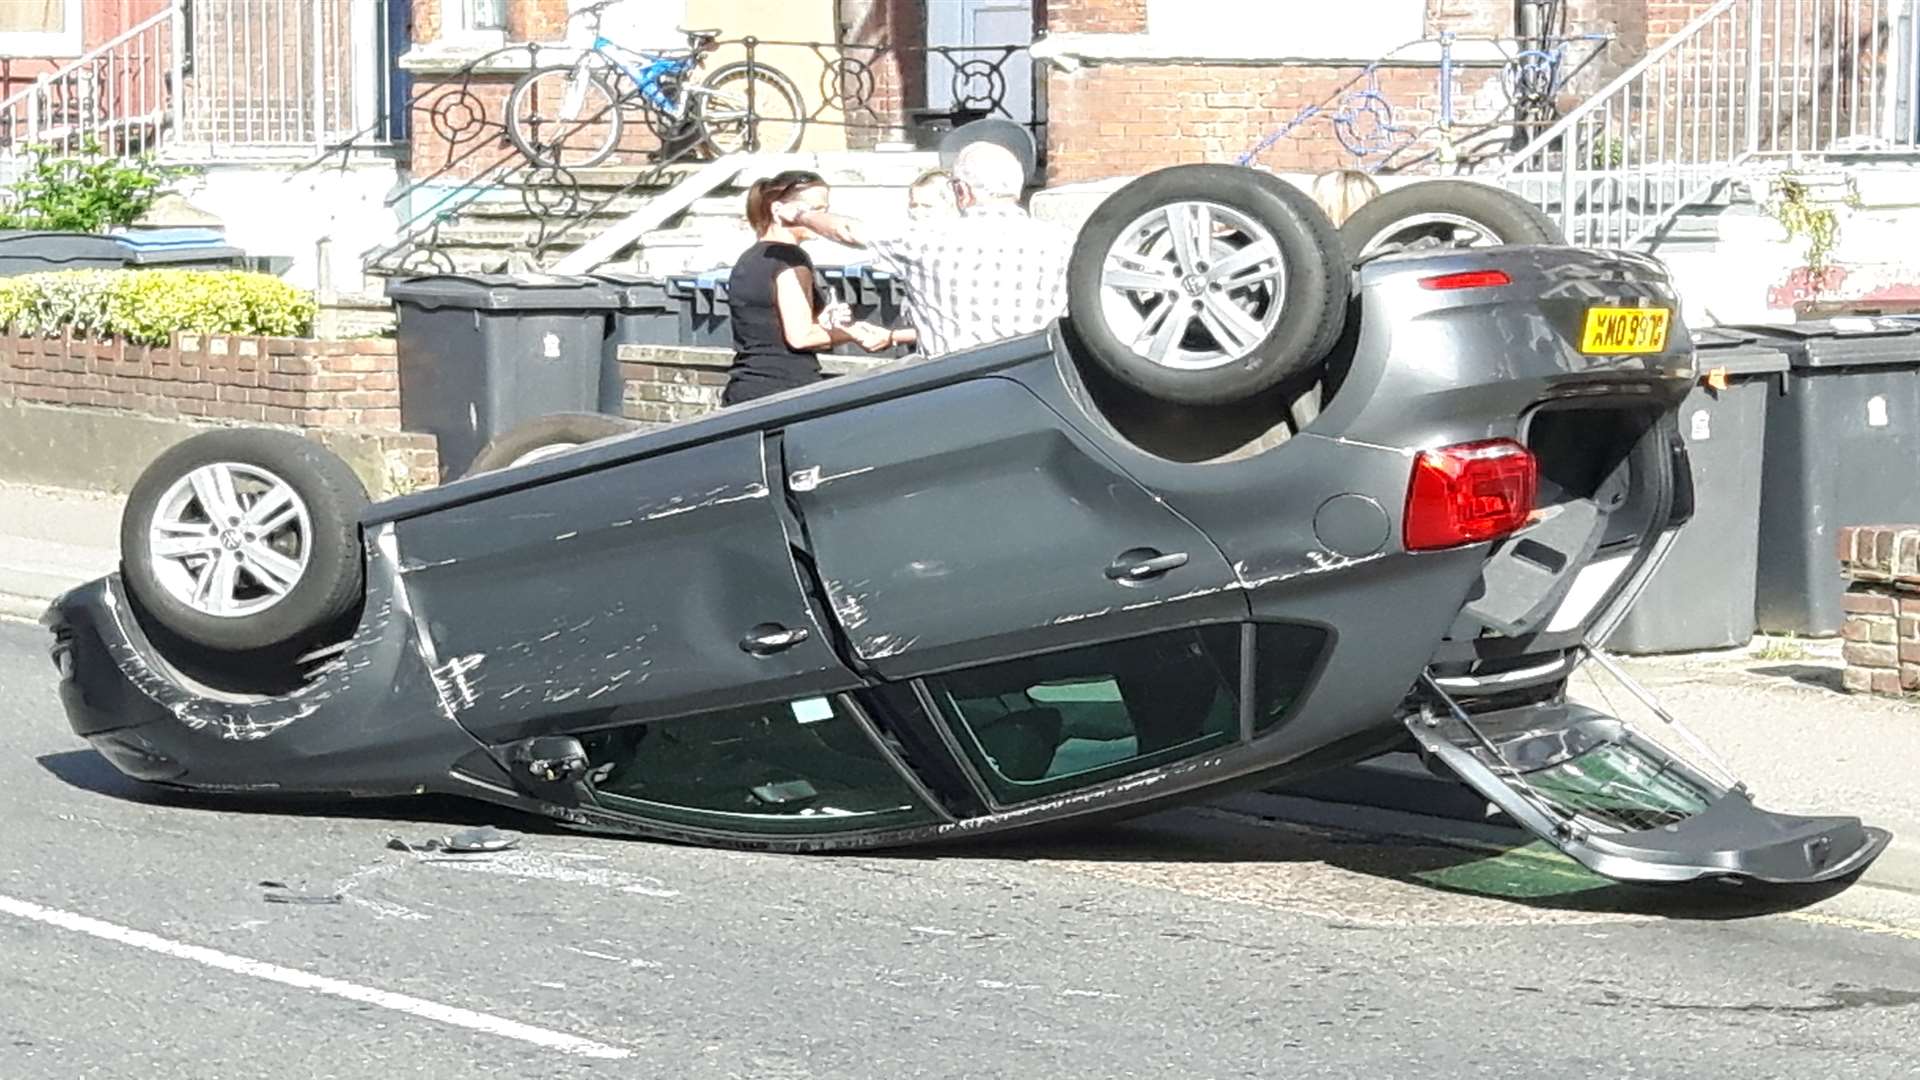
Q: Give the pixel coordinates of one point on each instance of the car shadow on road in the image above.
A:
(1528, 873)
(1203, 838)
(88, 771)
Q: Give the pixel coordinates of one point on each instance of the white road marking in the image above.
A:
(301, 980)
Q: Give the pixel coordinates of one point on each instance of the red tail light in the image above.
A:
(1467, 279)
(1469, 493)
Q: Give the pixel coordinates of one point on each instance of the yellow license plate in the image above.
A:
(1614, 331)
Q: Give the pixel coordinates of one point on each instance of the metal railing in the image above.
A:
(292, 76)
(1746, 83)
(119, 95)
(462, 156)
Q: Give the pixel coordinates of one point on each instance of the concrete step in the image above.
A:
(593, 205)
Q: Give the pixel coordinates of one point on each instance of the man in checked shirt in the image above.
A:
(990, 274)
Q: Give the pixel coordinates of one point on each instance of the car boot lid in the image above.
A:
(1617, 799)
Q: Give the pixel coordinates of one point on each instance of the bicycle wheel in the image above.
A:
(750, 107)
(564, 116)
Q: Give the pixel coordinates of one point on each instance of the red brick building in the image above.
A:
(1135, 84)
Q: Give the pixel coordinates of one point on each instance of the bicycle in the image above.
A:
(736, 108)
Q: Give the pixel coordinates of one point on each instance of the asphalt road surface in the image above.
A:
(138, 938)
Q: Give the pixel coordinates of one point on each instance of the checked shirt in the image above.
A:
(993, 273)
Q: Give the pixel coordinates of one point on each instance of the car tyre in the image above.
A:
(1439, 214)
(547, 436)
(1214, 323)
(243, 540)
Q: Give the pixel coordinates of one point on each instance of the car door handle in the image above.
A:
(772, 638)
(1141, 565)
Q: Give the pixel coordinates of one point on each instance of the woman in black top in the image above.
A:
(782, 316)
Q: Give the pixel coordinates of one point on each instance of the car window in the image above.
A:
(800, 766)
(1285, 658)
(1046, 724)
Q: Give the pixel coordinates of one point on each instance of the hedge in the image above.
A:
(150, 306)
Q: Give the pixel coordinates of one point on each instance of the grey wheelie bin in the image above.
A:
(874, 296)
(643, 314)
(1702, 597)
(482, 353)
(1843, 448)
(704, 312)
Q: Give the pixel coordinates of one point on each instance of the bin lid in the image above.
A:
(1736, 352)
(633, 290)
(1843, 342)
(171, 238)
(57, 247)
(503, 292)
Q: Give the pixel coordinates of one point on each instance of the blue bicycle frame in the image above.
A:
(653, 70)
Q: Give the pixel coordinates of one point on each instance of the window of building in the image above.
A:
(40, 28)
(473, 20)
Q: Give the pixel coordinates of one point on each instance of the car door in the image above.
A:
(651, 588)
(969, 524)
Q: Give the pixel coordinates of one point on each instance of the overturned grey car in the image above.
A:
(1262, 504)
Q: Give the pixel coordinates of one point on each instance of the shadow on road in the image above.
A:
(1528, 874)
(88, 771)
(1826, 678)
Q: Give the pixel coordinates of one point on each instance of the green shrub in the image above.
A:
(91, 191)
(148, 306)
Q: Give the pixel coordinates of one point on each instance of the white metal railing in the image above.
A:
(287, 77)
(119, 95)
(1746, 82)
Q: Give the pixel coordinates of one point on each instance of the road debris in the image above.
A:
(482, 840)
(278, 892)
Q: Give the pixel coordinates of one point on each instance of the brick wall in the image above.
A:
(1882, 631)
(1112, 117)
(536, 20)
(1097, 16)
(891, 79)
(1108, 119)
(340, 392)
(283, 381)
(669, 383)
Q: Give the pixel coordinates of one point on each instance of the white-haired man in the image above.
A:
(990, 274)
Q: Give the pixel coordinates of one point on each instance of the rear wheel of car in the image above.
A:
(1206, 284)
(547, 436)
(243, 540)
(1437, 214)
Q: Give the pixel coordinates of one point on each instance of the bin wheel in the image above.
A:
(547, 436)
(242, 540)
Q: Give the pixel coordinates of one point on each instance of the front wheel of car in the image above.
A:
(1206, 284)
(1438, 214)
(241, 540)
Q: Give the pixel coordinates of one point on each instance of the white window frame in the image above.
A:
(455, 29)
(37, 43)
